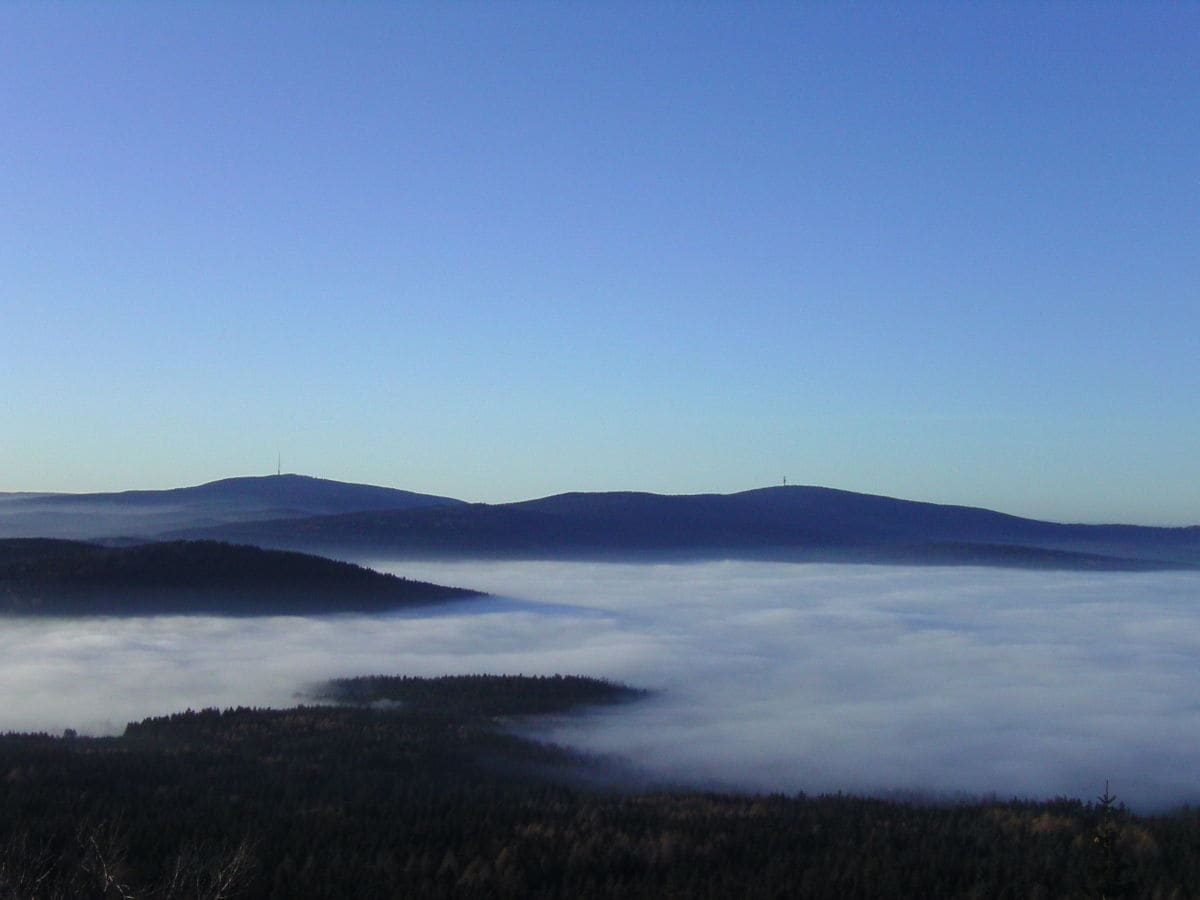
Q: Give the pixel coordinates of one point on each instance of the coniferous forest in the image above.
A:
(421, 788)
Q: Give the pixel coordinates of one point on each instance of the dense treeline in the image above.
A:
(41, 577)
(479, 695)
(428, 800)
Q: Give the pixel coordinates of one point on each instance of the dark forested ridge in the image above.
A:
(787, 523)
(416, 801)
(45, 577)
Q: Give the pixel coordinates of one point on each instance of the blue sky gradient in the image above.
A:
(948, 252)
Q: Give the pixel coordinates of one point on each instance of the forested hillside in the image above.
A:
(46, 577)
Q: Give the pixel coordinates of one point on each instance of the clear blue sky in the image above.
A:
(948, 252)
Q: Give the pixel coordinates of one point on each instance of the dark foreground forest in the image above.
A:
(420, 788)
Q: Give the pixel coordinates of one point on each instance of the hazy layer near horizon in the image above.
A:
(773, 677)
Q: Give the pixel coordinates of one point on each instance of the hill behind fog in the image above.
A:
(147, 514)
(788, 523)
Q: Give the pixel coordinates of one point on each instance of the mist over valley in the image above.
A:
(767, 676)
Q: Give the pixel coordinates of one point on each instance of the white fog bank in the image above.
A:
(777, 677)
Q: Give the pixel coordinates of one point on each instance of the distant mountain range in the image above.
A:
(41, 577)
(785, 523)
(149, 514)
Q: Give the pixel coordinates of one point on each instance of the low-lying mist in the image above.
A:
(772, 677)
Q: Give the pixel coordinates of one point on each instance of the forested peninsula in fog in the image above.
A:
(71, 578)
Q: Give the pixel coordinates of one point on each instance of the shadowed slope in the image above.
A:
(68, 578)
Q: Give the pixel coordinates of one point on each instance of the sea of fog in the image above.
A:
(771, 677)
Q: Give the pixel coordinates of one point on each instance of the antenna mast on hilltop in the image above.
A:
(785, 481)
(278, 464)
